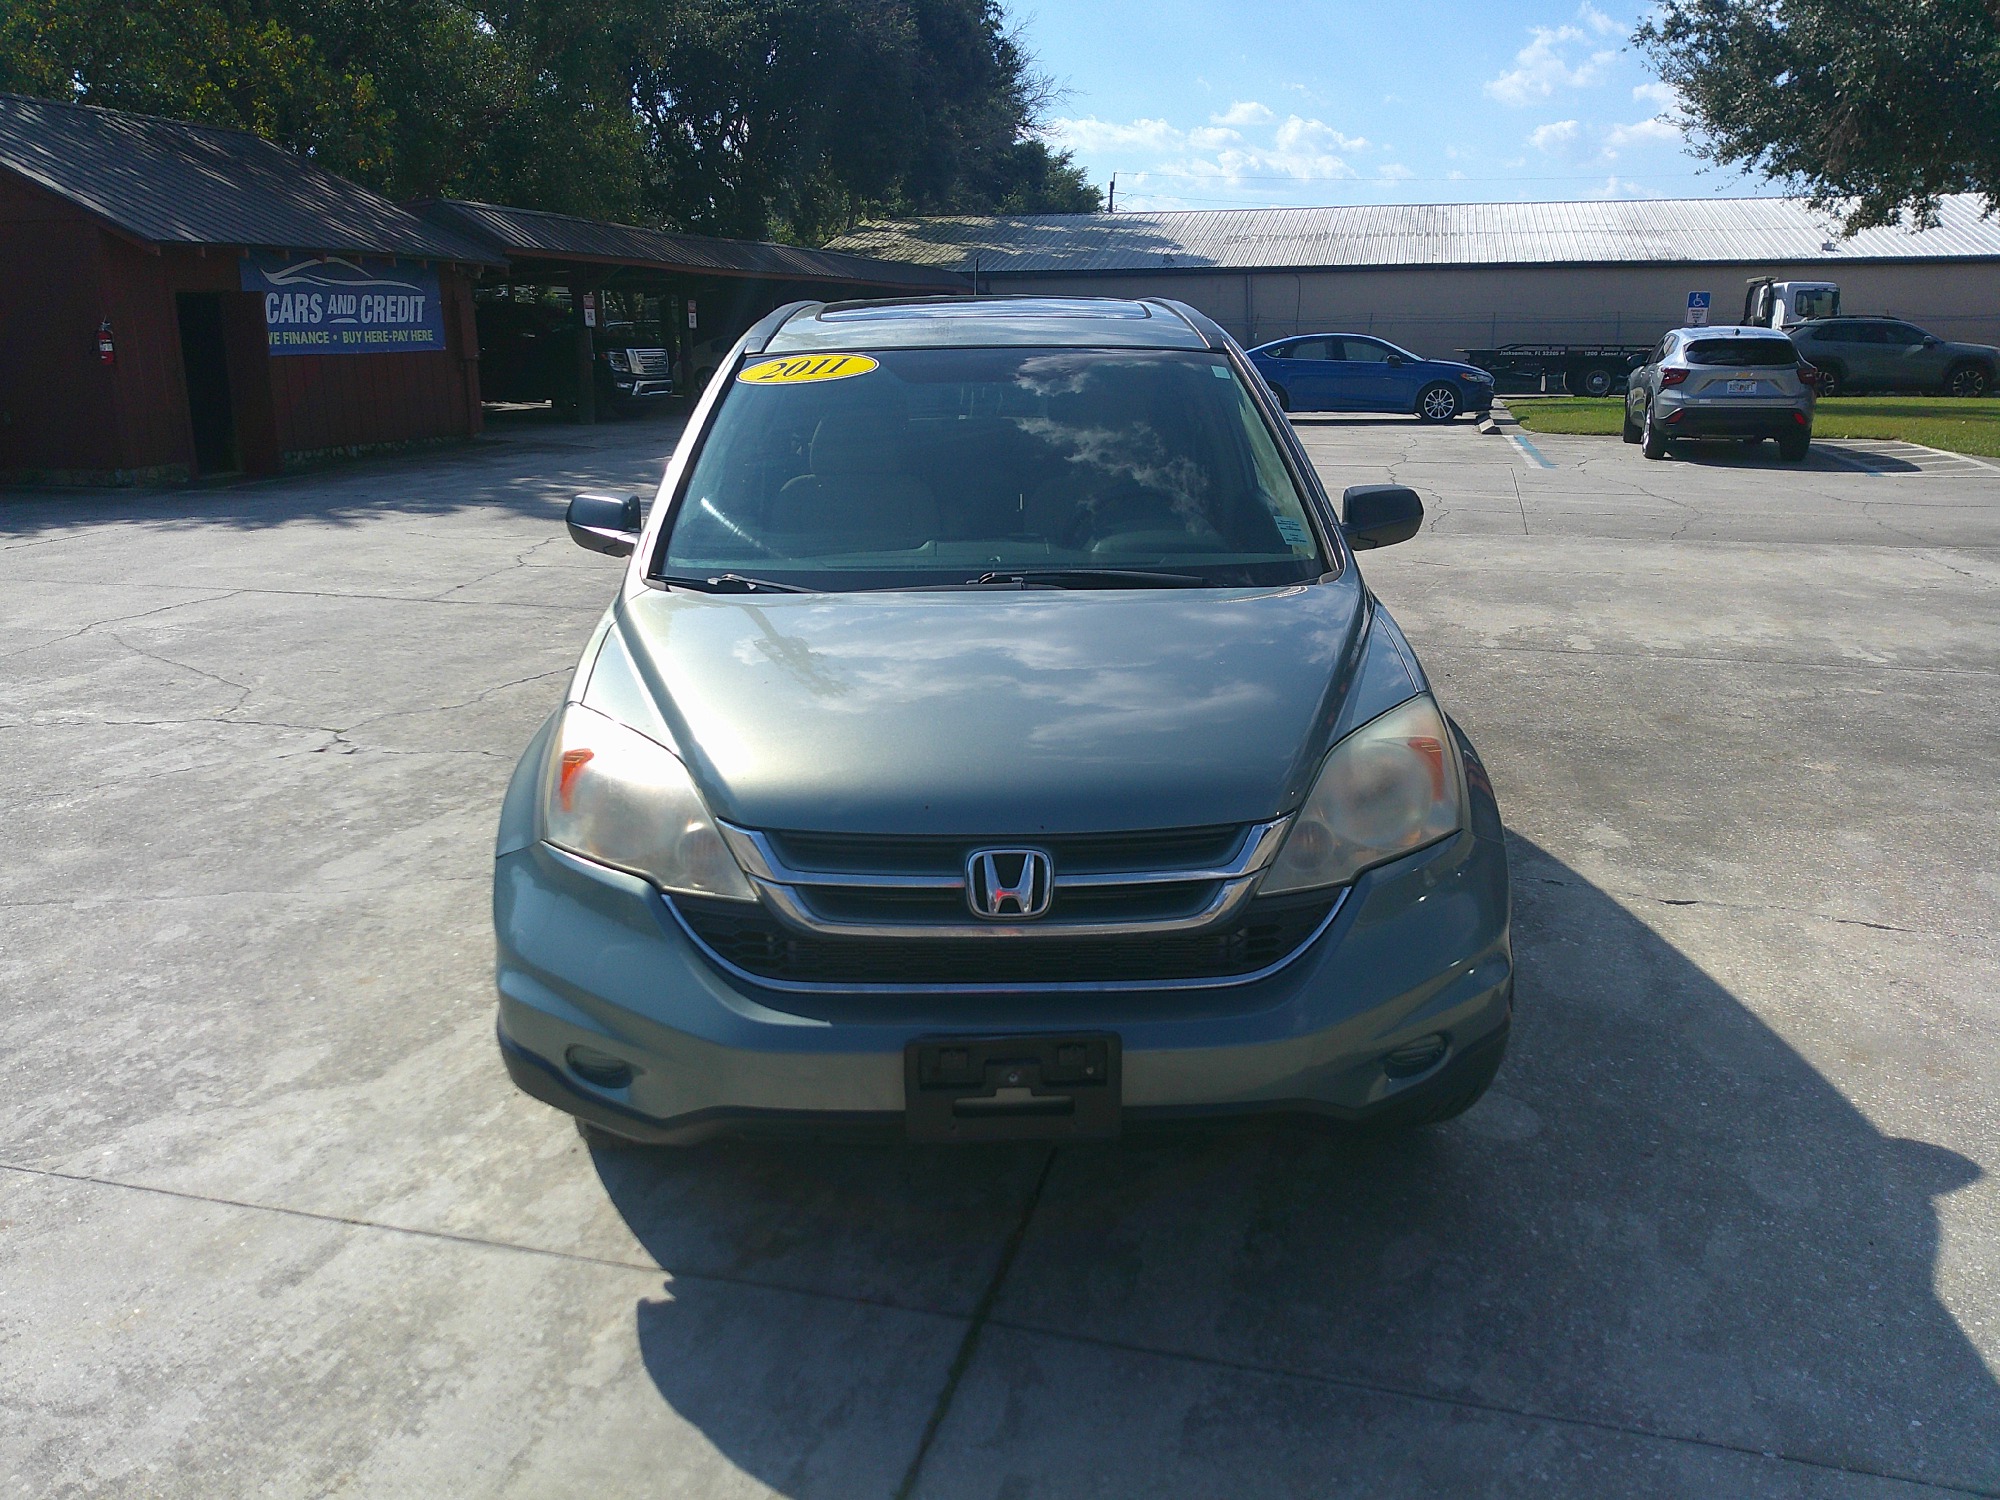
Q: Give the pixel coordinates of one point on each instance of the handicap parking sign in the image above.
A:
(1697, 310)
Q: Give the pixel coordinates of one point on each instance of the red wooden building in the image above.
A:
(177, 300)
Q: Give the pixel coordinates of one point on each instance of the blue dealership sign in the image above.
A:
(326, 304)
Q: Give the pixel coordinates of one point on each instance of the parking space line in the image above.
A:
(1529, 451)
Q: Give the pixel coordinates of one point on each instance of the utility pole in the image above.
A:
(1111, 203)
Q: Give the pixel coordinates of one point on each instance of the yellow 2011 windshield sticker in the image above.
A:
(802, 369)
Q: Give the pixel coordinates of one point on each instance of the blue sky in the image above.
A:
(1251, 103)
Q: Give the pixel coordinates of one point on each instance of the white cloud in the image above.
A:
(1172, 159)
(1557, 138)
(1244, 112)
(1658, 93)
(1091, 134)
(1597, 20)
(1542, 67)
(1619, 187)
(1641, 133)
(1395, 171)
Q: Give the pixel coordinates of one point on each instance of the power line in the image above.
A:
(1286, 177)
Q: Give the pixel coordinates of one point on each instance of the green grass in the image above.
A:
(1958, 424)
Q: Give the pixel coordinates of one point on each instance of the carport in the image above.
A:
(712, 289)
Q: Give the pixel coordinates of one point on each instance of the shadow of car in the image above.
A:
(1667, 1245)
(1353, 372)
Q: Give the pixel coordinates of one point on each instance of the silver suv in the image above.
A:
(1887, 354)
(1743, 383)
(992, 737)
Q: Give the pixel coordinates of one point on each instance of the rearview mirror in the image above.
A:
(1379, 515)
(606, 523)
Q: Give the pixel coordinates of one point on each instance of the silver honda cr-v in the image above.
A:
(992, 737)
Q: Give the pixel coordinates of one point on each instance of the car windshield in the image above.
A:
(914, 467)
(1744, 351)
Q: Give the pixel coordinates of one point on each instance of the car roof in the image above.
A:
(1731, 330)
(985, 322)
(1329, 333)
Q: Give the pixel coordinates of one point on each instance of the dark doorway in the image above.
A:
(205, 358)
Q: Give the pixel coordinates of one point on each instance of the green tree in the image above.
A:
(1875, 107)
(747, 117)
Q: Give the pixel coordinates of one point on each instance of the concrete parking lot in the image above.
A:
(273, 1222)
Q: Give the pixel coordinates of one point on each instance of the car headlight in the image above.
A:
(1390, 787)
(619, 359)
(614, 796)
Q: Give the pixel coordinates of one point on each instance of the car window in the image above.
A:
(1659, 354)
(916, 466)
(1817, 302)
(1843, 333)
(1308, 349)
(1904, 333)
(1751, 352)
(1365, 351)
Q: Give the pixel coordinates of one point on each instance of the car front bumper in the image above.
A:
(592, 958)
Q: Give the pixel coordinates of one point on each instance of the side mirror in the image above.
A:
(606, 523)
(1379, 515)
(1930, 341)
(1396, 361)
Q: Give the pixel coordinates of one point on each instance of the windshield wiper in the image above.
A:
(723, 583)
(1084, 578)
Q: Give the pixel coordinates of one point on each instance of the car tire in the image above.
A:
(1794, 449)
(1438, 402)
(1968, 379)
(1830, 380)
(1284, 397)
(1652, 441)
(1632, 432)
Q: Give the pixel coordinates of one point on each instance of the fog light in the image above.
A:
(1415, 1057)
(599, 1068)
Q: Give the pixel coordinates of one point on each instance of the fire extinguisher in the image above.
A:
(107, 352)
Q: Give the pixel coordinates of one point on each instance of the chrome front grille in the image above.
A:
(1105, 885)
(651, 364)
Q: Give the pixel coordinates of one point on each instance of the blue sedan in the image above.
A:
(1352, 372)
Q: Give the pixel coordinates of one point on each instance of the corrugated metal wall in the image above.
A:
(1437, 311)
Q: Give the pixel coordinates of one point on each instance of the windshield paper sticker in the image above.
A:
(803, 369)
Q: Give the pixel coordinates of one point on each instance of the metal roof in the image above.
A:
(167, 182)
(528, 233)
(1656, 231)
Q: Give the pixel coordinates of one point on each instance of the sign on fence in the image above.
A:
(330, 305)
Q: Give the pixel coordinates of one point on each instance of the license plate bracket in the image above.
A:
(1051, 1086)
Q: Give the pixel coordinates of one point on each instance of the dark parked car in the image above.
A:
(1743, 383)
(992, 737)
(525, 351)
(1887, 354)
(1353, 372)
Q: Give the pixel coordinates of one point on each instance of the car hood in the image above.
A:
(994, 713)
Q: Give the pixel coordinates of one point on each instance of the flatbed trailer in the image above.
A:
(1580, 369)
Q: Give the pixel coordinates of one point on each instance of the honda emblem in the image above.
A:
(1009, 884)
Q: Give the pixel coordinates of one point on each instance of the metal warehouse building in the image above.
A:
(1439, 278)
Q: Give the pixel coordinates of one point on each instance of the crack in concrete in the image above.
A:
(207, 597)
